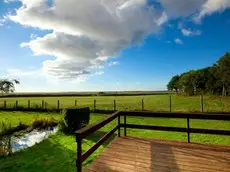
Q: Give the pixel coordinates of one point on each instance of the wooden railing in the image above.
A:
(84, 132)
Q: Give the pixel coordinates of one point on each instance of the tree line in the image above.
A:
(213, 80)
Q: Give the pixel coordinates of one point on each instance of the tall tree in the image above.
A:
(186, 83)
(7, 86)
(214, 84)
(210, 80)
(224, 69)
(173, 84)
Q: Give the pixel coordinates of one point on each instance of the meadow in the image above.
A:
(58, 153)
(150, 102)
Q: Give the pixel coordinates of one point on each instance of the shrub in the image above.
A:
(75, 119)
(44, 123)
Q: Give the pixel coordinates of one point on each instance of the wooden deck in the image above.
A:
(129, 154)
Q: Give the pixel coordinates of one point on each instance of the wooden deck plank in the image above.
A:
(126, 154)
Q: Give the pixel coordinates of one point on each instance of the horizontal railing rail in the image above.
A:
(84, 132)
(209, 116)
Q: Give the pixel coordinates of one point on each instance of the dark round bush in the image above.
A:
(75, 119)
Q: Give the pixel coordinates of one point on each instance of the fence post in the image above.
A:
(188, 129)
(79, 150)
(28, 104)
(4, 104)
(114, 105)
(202, 103)
(43, 103)
(58, 104)
(16, 104)
(46, 105)
(125, 125)
(119, 125)
(142, 104)
(170, 103)
(94, 104)
(75, 103)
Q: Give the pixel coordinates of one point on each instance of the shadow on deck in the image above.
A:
(130, 154)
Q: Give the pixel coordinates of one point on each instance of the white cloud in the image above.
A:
(199, 8)
(113, 63)
(163, 19)
(212, 6)
(86, 33)
(9, 1)
(97, 19)
(2, 21)
(190, 32)
(181, 8)
(178, 41)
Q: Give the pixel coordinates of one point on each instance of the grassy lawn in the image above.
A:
(14, 118)
(58, 153)
(151, 102)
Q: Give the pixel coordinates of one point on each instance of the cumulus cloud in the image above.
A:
(199, 8)
(190, 32)
(86, 33)
(178, 41)
(181, 8)
(212, 6)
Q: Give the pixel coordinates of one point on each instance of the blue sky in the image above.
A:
(50, 54)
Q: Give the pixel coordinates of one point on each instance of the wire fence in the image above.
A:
(166, 103)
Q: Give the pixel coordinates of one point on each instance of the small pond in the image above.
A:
(18, 143)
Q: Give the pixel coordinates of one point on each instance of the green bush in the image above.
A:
(75, 119)
(44, 123)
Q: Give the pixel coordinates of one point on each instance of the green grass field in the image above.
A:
(58, 153)
(151, 102)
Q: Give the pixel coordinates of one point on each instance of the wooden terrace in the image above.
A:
(132, 154)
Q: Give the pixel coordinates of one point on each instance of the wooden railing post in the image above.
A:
(58, 104)
(201, 103)
(16, 104)
(125, 125)
(4, 104)
(79, 151)
(170, 103)
(28, 104)
(119, 125)
(142, 104)
(114, 105)
(188, 130)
